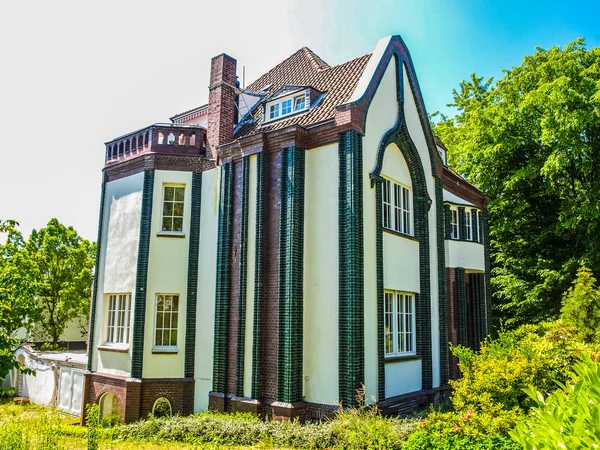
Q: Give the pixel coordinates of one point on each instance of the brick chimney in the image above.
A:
(221, 102)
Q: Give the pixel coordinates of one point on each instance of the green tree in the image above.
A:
(63, 263)
(17, 289)
(581, 306)
(531, 140)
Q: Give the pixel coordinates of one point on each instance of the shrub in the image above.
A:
(569, 417)
(581, 306)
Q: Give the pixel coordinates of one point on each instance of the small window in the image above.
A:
(468, 230)
(193, 140)
(110, 410)
(172, 218)
(453, 224)
(171, 139)
(299, 103)
(397, 207)
(119, 312)
(162, 408)
(286, 107)
(274, 111)
(167, 311)
(161, 138)
(399, 314)
(181, 140)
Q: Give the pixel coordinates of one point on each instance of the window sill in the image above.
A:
(114, 348)
(171, 234)
(165, 350)
(399, 234)
(469, 241)
(294, 114)
(402, 358)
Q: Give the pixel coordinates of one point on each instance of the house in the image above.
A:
(284, 244)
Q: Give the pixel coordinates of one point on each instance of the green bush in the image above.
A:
(581, 306)
(569, 417)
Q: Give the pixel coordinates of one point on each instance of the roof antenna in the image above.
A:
(243, 77)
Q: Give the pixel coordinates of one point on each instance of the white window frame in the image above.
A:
(273, 111)
(287, 104)
(454, 228)
(118, 320)
(172, 216)
(299, 100)
(169, 346)
(400, 324)
(397, 207)
(468, 226)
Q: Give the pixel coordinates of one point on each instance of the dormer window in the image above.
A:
(291, 100)
(299, 103)
(274, 111)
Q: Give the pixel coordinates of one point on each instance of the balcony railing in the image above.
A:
(167, 138)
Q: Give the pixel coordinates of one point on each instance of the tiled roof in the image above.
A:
(305, 68)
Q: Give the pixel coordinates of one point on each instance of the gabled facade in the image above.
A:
(278, 247)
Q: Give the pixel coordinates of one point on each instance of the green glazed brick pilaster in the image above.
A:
(462, 226)
(447, 222)
(351, 265)
(442, 224)
(243, 281)
(258, 263)
(192, 279)
(475, 226)
(141, 281)
(96, 276)
(291, 270)
(461, 290)
(222, 284)
(488, 285)
(481, 237)
(380, 294)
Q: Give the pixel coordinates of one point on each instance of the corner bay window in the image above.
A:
(396, 207)
(172, 216)
(167, 315)
(399, 313)
(119, 315)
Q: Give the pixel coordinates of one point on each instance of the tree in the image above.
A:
(581, 306)
(531, 141)
(17, 294)
(63, 263)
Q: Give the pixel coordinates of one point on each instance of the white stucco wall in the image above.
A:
(250, 277)
(394, 165)
(416, 132)
(167, 274)
(118, 263)
(381, 117)
(468, 255)
(402, 377)
(321, 276)
(400, 263)
(207, 273)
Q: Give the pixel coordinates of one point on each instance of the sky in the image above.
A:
(76, 74)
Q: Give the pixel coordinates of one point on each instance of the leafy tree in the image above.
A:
(17, 288)
(531, 140)
(581, 306)
(62, 263)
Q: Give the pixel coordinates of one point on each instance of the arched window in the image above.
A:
(162, 408)
(110, 410)
(181, 140)
(161, 138)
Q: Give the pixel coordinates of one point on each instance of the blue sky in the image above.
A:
(76, 74)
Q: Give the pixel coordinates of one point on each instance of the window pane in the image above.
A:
(178, 224)
(299, 103)
(167, 208)
(178, 209)
(173, 340)
(179, 194)
(159, 319)
(167, 224)
(157, 341)
(286, 107)
(174, 320)
(169, 192)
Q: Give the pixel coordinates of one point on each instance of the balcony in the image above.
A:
(174, 139)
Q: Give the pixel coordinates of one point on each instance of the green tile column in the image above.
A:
(223, 276)
(462, 226)
(442, 224)
(461, 290)
(380, 289)
(192, 279)
(141, 281)
(351, 265)
(447, 222)
(488, 285)
(291, 268)
(474, 226)
(96, 276)
(243, 282)
(258, 291)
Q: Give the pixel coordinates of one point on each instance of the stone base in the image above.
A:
(137, 396)
(405, 404)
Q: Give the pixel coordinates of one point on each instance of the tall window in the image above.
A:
(399, 313)
(468, 228)
(119, 315)
(454, 224)
(167, 309)
(172, 218)
(396, 207)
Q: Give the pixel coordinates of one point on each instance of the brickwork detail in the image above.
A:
(462, 226)
(475, 226)
(258, 291)
(221, 102)
(192, 279)
(447, 221)
(222, 282)
(380, 289)
(441, 217)
(291, 263)
(139, 315)
(351, 265)
(92, 330)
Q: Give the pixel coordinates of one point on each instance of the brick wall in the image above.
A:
(221, 102)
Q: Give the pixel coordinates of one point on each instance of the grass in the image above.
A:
(35, 427)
